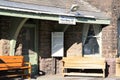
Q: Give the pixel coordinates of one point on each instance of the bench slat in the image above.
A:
(4, 60)
(10, 59)
(1, 57)
(11, 65)
(11, 68)
(84, 74)
(14, 75)
(85, 65)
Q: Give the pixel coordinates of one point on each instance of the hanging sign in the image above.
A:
(67, 20)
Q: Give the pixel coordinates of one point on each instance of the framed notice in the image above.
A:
(57, 44)
(67, 20)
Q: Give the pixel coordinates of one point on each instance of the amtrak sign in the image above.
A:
(67, 20)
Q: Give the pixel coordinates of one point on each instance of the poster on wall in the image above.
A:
(57, 44)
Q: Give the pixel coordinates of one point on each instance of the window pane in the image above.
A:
(91, 45)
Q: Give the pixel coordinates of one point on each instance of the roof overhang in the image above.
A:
(50, 13)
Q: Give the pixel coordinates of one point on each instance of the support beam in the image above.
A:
(16, 26)
(65, 28)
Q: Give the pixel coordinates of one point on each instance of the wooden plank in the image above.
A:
(13, 68)
(11, 61)
(84, 74)
(1, 57)
(70, 67)
(14, 75)
(83, 58)
(84, 61)
(11, 65)
(86, 66)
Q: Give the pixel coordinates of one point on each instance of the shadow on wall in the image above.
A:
(107, 68)
(110, 66)
(73, 40)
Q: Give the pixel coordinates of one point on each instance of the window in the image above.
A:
(57, 44)
(91, 39)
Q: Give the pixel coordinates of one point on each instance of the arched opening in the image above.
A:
(26, 44)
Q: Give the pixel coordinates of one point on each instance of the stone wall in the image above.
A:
(45, 30)
(103, 5)
(4, 47)
(5, 23)
(72, 45)
(45, 38)
(109, 33)
(109, 42)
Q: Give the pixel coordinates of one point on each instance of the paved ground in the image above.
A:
(59, 77)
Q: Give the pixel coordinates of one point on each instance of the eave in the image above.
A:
(51, 17)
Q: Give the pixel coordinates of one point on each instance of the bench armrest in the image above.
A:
(27, 63)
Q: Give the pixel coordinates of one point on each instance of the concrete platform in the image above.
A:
(60, 77)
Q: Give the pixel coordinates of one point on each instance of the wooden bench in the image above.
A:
(84, 63)
(14, 66)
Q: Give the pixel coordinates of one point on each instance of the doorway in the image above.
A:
(28, 38)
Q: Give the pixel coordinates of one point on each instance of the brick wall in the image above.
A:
(109, 42)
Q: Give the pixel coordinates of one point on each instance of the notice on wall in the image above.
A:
(57, 44)
(67, 20)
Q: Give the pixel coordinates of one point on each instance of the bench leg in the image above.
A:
(29, 72)
(29, 75)
(64, 71)
(103, 73)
